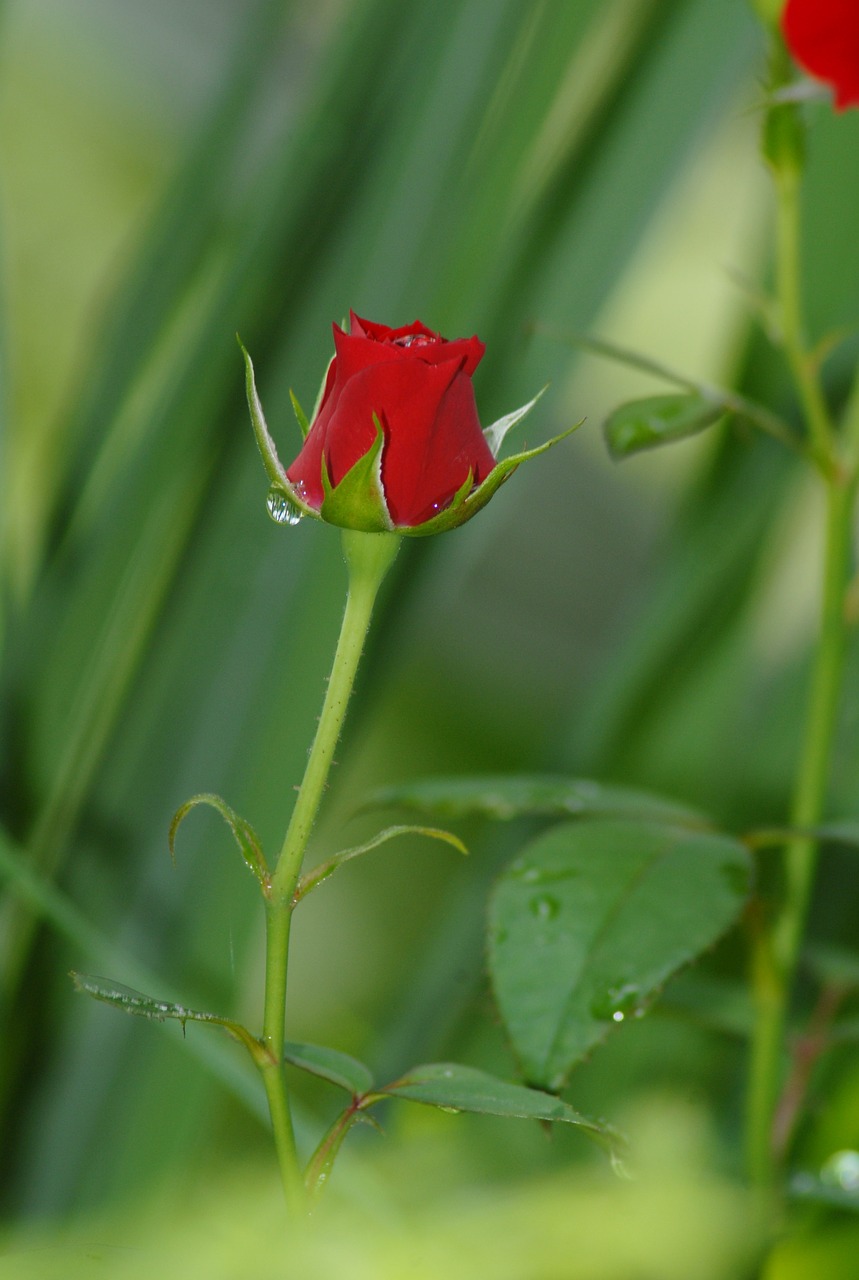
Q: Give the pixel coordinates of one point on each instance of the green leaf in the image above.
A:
(496, 433)
(316, 876)
(589, 922)
(330, 1064)
(509, 796)
(358, 501)
(457, 1088)
(131, 1001)
(719, 399)
(655, 420)
(246, 838)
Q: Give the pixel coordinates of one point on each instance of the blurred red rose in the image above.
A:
(417, 387)
(823, 37)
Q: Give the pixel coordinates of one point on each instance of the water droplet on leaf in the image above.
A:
(280, 508)
(544, 907)
(619, 1002)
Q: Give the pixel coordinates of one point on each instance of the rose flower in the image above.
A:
(395, 443)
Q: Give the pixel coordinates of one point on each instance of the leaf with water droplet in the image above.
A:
(544, 906)
(635, 902)
(457, 1088)
(131, 1001)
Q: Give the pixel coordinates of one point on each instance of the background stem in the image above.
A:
(777, 945)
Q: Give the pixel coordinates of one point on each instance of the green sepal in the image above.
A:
(655, 420)
(275, 469)
(783, 140)
(465, 504)
(321, 392)
(358, 501)
(300, 415)
(246, 838)
(496, 433)
(315, 877)
(135, 1002)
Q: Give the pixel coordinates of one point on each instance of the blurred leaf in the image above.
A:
(716, 397)
(510, 796)
(312, 878)
(246, 838)
(592, 918)
(826, 1189)
(456, 1088)
(835, 966)
(655, 420)
(841, 832)
(330, 1064)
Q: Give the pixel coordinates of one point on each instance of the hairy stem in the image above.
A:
(368, 558)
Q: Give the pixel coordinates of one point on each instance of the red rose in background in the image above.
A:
(417, 387)
(823, 37)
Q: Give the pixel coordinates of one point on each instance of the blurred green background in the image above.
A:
(171, 173)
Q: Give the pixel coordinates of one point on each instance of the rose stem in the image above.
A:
(777, 946)
(368, 558)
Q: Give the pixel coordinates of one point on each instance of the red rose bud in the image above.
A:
(395, 443)
(823, 37)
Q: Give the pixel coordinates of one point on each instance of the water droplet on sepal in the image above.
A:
(280, 507)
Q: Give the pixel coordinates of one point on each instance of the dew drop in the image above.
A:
(842, 1170)
(451, 1111)
(544, 907)
(280, 508)
(618, 1003)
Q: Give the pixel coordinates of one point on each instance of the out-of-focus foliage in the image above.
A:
(175, 172)
(585, 1225)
